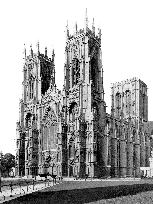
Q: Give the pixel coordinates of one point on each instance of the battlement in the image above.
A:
(127, 81)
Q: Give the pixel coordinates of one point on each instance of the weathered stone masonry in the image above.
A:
(68, 132)
(130, 106)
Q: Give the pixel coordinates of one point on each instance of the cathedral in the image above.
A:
(68, 132)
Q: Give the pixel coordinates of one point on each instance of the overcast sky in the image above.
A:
(127, 46)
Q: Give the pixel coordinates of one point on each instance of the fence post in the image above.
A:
(33, 185)
(20, 187)
(23, 191)
(27, 185)
(4, 197)
(11, 186)
(0, 171)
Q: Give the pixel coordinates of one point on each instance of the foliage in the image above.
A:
(7, 162)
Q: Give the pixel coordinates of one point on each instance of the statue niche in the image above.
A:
(73, 116)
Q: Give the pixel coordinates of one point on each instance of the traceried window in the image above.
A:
(128, 101)
(94, 73)
(28, 120)
(25, 74)
(118, 103)
(49, 130)
(31, 87)
(75, 71)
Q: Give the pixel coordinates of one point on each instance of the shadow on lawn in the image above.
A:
(85, 195)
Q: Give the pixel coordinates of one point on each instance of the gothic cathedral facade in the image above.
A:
(84, 106)
(68, 132)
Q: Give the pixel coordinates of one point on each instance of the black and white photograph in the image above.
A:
(76, 102)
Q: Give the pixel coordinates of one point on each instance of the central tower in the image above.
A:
(84, 140)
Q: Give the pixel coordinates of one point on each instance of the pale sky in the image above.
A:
(127, 46)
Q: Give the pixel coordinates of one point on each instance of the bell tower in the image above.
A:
(84, 106)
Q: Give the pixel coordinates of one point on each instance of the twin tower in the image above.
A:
(68, 132)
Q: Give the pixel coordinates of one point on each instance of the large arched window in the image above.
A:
(75, 71)
(49, 130)
(128, 101)
(28, 120)
(118, 103)
(94, 72)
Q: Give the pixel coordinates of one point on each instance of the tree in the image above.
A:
(8, 161)
(2, 168)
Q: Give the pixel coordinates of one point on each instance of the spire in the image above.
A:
(67, 30)
(38, 47)
(53, 55)
(45, 51)
(93, 26)
(86, 21)
(52, 81)
(76, 28)
(31, 50)
(24, 52)
(99, 33)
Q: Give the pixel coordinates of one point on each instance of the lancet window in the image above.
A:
(75, 71)
(94, 73)
(128, 101)
(118, 103)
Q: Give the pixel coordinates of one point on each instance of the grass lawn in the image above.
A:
(93, 192)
